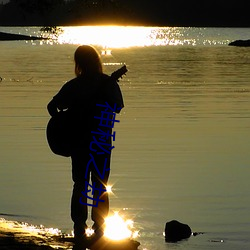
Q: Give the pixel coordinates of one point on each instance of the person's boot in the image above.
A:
(99, 230)
(80, 237)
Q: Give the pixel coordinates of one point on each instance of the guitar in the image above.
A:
(60, 127)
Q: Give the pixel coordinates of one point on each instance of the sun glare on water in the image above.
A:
(110, 37)
(106, 36)
(119, 229)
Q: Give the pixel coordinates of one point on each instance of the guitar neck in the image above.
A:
(119, 73)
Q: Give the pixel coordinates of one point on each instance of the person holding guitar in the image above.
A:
(73, 110)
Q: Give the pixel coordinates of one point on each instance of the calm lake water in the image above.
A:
(182, 144)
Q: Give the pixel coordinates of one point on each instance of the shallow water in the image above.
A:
(181, 150)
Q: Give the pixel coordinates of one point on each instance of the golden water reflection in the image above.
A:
(106, 36)
(116, 228)
(110, 37)
(123, 36)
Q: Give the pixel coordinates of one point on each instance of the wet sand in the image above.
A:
(10, 242)
(15, 235)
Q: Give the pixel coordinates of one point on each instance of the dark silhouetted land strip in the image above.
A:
(240, 43)
(13, 37)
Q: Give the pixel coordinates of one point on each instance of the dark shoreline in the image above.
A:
(240, 43)
(17, 37)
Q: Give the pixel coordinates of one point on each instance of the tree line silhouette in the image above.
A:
(126, 12)
(61, 12)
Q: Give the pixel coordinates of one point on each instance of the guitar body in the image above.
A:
(61, 130)
(59, 133)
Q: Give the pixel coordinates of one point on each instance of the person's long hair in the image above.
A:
(87, 60)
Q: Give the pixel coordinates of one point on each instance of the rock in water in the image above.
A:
(176, 231)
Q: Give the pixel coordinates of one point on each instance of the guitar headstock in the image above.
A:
(119, 73)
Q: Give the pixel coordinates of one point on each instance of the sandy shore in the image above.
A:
(11, 241)
(15, 235)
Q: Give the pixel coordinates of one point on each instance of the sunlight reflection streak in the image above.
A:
(107, 36)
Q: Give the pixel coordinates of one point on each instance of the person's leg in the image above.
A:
(100, 212)
(79, 210)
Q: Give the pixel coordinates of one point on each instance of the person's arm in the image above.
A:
(115, 95)
(61, 100)
(52, 108)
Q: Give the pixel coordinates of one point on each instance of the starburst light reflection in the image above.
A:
(116, 228)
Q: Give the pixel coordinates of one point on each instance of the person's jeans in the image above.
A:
(82, 188)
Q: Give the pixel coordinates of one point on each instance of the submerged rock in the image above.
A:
(240, 43)
(176, 231)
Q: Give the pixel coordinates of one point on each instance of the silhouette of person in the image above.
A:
(81, 96)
